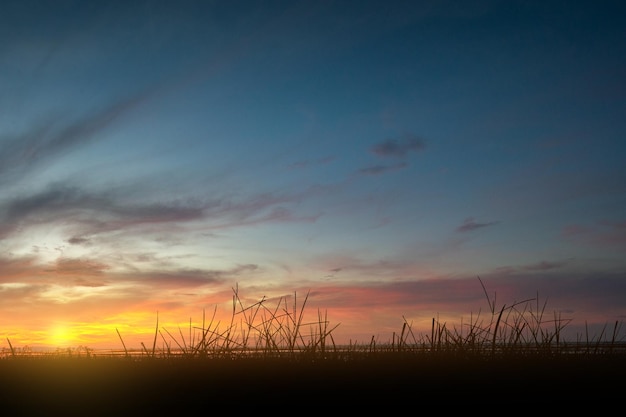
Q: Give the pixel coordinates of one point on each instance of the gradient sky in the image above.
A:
(379, 156)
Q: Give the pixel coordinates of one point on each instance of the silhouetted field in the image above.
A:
(271, 361)
(127, 386)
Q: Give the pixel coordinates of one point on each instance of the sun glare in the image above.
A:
(60, 336)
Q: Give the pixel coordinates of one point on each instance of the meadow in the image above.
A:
(272, 358)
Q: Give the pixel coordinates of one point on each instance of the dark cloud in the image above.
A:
(77, 240)
(469, 225)
(399, 147)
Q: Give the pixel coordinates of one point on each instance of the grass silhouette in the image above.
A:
(268, 354)
(522, 328)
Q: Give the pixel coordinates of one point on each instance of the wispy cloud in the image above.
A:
(15, 269)
(89, 218)
(470, 224)
(94, 212)
(602, 234)
(398, 147)
(544, 266)
(51, 138)
(73, 266)
(381, 169)
(181, 278)
(26, 281)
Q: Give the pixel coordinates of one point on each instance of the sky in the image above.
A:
(380, 162)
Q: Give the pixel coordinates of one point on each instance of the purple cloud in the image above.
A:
(399, 147)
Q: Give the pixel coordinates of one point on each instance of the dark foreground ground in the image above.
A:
(120, 386)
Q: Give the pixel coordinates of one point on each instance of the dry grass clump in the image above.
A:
(257, 330)
(520, 329)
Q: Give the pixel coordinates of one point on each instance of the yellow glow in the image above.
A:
(61, 335)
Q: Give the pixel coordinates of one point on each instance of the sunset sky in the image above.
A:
(379, 156)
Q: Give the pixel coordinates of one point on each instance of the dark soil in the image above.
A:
(123, 386)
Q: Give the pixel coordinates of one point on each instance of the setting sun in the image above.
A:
(61, 335)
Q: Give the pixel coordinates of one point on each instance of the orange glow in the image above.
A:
(356, 313)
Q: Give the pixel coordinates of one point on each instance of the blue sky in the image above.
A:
(381, 155)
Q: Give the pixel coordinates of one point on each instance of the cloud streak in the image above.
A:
(26, 151)
(398, 147)
(381, 169)
(86, 214)
(470, 225)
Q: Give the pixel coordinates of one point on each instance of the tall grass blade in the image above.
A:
(156, 332)
(11, 347)
(123, 344)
